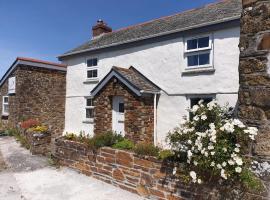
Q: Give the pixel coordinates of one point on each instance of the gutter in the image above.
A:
(153, 36)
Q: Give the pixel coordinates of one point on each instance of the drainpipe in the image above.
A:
(155, 119)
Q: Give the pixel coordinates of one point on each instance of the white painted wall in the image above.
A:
(163, 63)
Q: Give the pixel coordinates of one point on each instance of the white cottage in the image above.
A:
(141, 79)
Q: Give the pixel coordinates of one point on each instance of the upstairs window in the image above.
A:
(198, 52)
(92, 69)
(5, 105)
(89, 109)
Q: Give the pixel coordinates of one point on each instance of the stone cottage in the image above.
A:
(140, 80)
(33, 89)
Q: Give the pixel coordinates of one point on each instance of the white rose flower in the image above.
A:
(212, 153)
(223, 174)
(210, 147)
(196, 118)
(189, 142)
(231, 162)
(203, 117)
(195, 162)
(195, 108)
(212, 164)
(193, 175)
(238, 123)
(224, 149)
(200, 102)
(238, 161)
(199, 181)
(219, 166)
(237, 145)
(237, 150)
(224, 164)
(238, 169)
(189, 154)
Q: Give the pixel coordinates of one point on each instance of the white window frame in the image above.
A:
(198, 51)
(88, 120)
(3, 106)
(93, 79)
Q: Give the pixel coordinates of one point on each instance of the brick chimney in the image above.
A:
(100, 28)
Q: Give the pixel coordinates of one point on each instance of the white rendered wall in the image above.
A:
(163, 63)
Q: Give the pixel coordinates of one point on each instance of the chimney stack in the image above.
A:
(100, 28)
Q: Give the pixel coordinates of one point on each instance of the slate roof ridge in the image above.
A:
(167, 16)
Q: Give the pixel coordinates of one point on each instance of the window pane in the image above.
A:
(192, 44)
(193, 60)
(121, 108)
(92, 62)
(5, 99)
(92, 73)
(89, 113)
(204, 59)
(203, 42)
(89, 102)
(6, 109)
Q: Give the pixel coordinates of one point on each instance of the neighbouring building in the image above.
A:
(140, 80)
(34, 89)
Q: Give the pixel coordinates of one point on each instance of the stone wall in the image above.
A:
(40, 94)
(147, 176)
(139, 112)
(254, 92)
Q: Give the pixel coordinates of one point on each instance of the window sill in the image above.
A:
(88, 121)
(198, 70)
(92, 80)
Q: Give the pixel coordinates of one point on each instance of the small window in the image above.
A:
(92, 73)
(5, 105)
(121, 107)
(89, 109)
(92, 62)
(92, 68)
(198, 52)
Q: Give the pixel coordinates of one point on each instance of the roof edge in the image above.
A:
(153, 36)
(34, 63)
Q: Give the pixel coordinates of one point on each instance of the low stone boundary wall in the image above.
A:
(147, 177)
(39, 142)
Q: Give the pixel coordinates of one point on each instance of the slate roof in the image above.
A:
(131, 77)
(215, 13)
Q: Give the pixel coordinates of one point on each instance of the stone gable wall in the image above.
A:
(40, 94)
(139, 112)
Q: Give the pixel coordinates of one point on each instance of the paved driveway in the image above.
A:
(27, 177)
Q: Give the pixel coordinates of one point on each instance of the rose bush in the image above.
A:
(212, 145)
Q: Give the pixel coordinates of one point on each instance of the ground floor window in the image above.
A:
(89, 109)
(5, 105)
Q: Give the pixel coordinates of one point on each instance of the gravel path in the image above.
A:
(28, 177)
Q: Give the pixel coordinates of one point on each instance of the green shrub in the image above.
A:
(124, 144)
(165, 154)
(146, 149)
(19, 137)
(105, 139)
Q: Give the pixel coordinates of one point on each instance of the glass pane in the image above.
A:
(6, 109)
(92, 73)
(121, 108)
(203, 42)
(192, 44)
(204, 59)
(89, 113)
(89, 102)
(92, 62)
(5, 99)
(193, 60)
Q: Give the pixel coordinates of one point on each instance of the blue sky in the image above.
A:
(48, 28)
